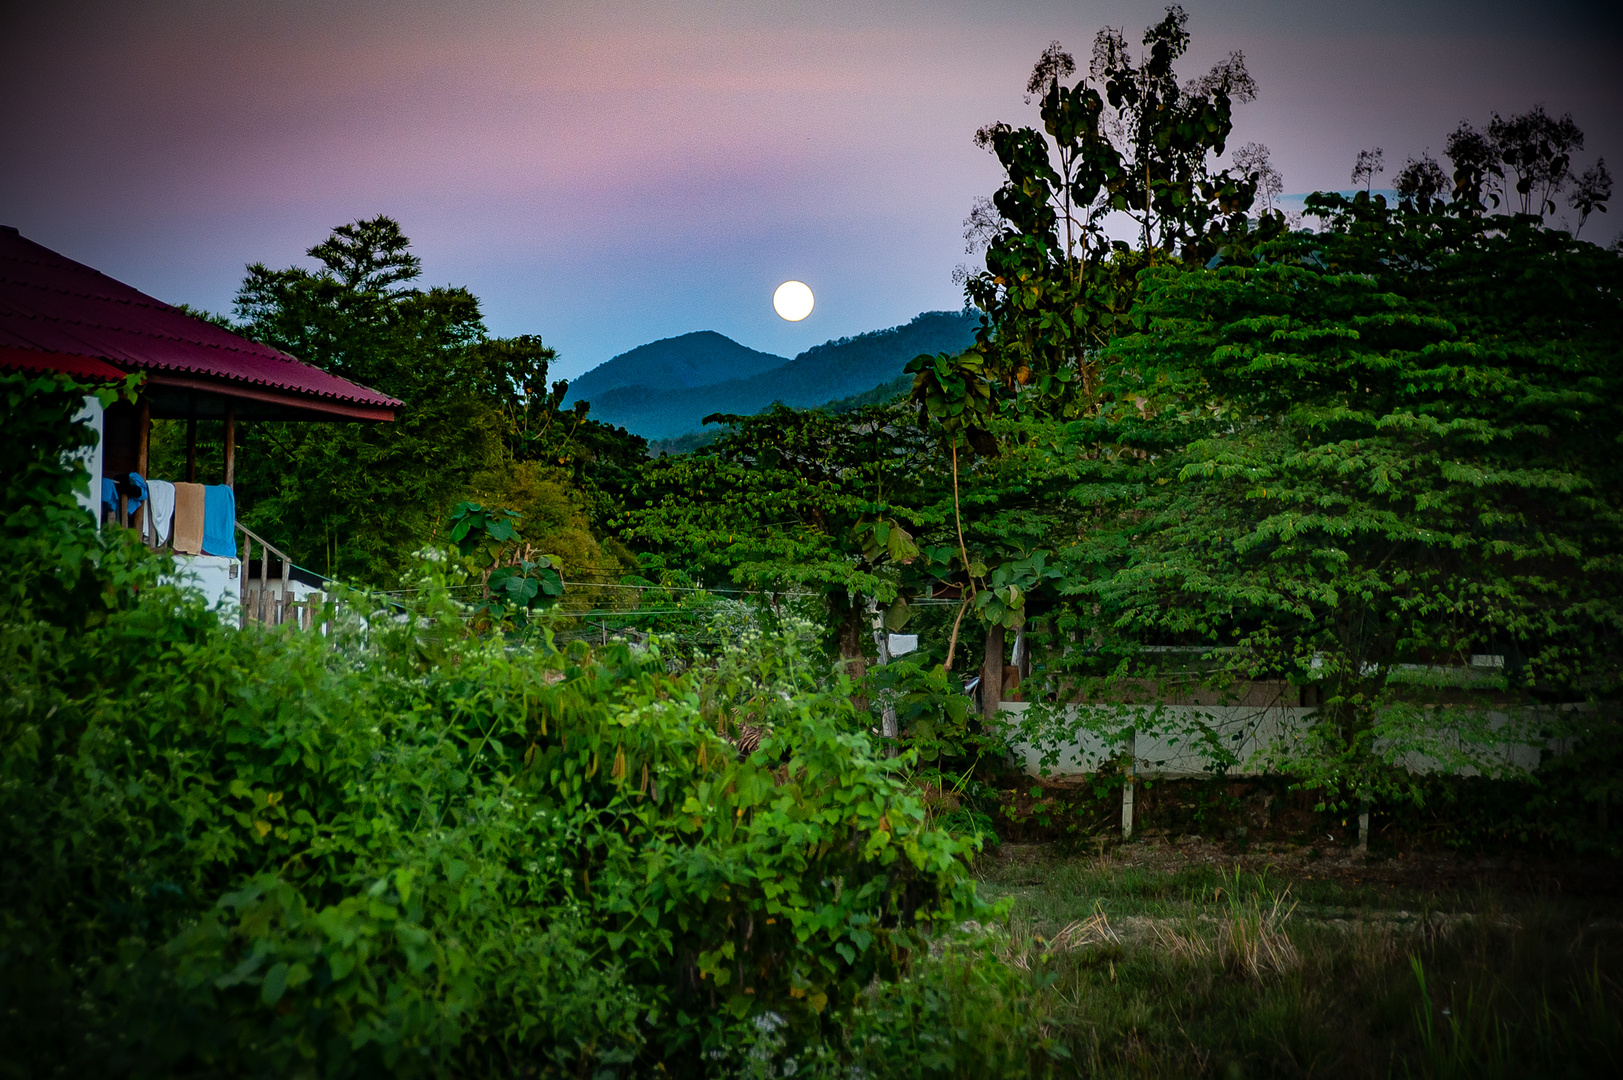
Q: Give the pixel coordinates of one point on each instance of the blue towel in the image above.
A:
(140, 487)
(109, 492)
(219, 520)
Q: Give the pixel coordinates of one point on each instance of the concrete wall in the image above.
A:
(1179, 740)
(217, 577)
(89, 495)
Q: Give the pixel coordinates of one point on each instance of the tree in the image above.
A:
(1256, 164)
(792, 501)
(1477, 168)
(1368, 167)
(1363, 456)
(1591, 193)
(1055, 288)
(1420, 183)
(357, 499)
(1537, 149)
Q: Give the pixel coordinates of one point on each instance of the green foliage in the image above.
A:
(796, 501)
(256, 852)
(515, 585)
(1055, 288)
(1353, 464)
(509, 855)
(357, 500)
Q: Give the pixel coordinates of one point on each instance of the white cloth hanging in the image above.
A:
(160, 510)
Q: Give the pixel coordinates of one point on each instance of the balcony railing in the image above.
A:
(271, 601)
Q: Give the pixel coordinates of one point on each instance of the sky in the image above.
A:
(608, 173)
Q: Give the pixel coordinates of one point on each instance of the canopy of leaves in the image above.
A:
(357, 499)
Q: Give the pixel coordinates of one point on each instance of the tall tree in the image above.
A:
(1366, 455)
(1130, 138)
(356, 500)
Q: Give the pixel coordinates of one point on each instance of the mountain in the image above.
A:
(676, 363)
(879, 395)
(836, 369)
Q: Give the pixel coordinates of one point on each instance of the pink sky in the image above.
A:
(605, 174)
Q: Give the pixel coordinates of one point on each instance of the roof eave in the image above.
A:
(323, 408)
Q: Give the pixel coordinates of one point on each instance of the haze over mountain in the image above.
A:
(666, 388)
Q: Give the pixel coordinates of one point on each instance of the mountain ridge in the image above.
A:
(675, 363)
(839, 368)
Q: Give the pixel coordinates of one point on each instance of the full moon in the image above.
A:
(793, 300)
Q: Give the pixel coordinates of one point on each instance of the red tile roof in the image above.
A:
(68, 364)
(50, 303)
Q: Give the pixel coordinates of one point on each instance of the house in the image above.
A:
(60, 315)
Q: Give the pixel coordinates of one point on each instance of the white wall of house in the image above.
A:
(89, 493)
(216, 577)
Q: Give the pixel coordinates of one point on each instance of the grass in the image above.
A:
(1238, 968)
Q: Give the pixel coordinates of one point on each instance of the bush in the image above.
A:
(398, 848)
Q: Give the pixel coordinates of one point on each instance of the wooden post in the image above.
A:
(231, 445)
(191, 450)
(992, 673)
(143, 441)
(287, 595)
(242, 599)
(1127, 808)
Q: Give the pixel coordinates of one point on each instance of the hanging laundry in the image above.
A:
(189, 505)
(133, 485)
(130, 485)
(219, 520)
(161, 509)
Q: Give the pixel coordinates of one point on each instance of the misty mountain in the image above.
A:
(696, 359)
(842, 368)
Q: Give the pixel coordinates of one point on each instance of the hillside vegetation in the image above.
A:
(836, 369)
(697, 359)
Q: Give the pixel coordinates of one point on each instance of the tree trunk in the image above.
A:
(992, 674)
(853, 660)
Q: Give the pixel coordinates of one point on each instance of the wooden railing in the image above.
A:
(270, 607)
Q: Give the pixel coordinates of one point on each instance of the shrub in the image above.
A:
(401, 848)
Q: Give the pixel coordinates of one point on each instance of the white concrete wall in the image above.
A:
(217, 577)
(1175, 740)
(89, 495)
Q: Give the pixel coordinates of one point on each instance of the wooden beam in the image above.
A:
(313, 408)
(143, 435)
(191, 450)
(231, 445)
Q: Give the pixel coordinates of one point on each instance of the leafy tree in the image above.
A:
(1591, 193)
(790, 501)
(1477, 168)
(1368, 167)
(1256, 163)
(1362, 454)
(1054, 287)
(355, 500)
(1537, 149)
(1420, 183)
